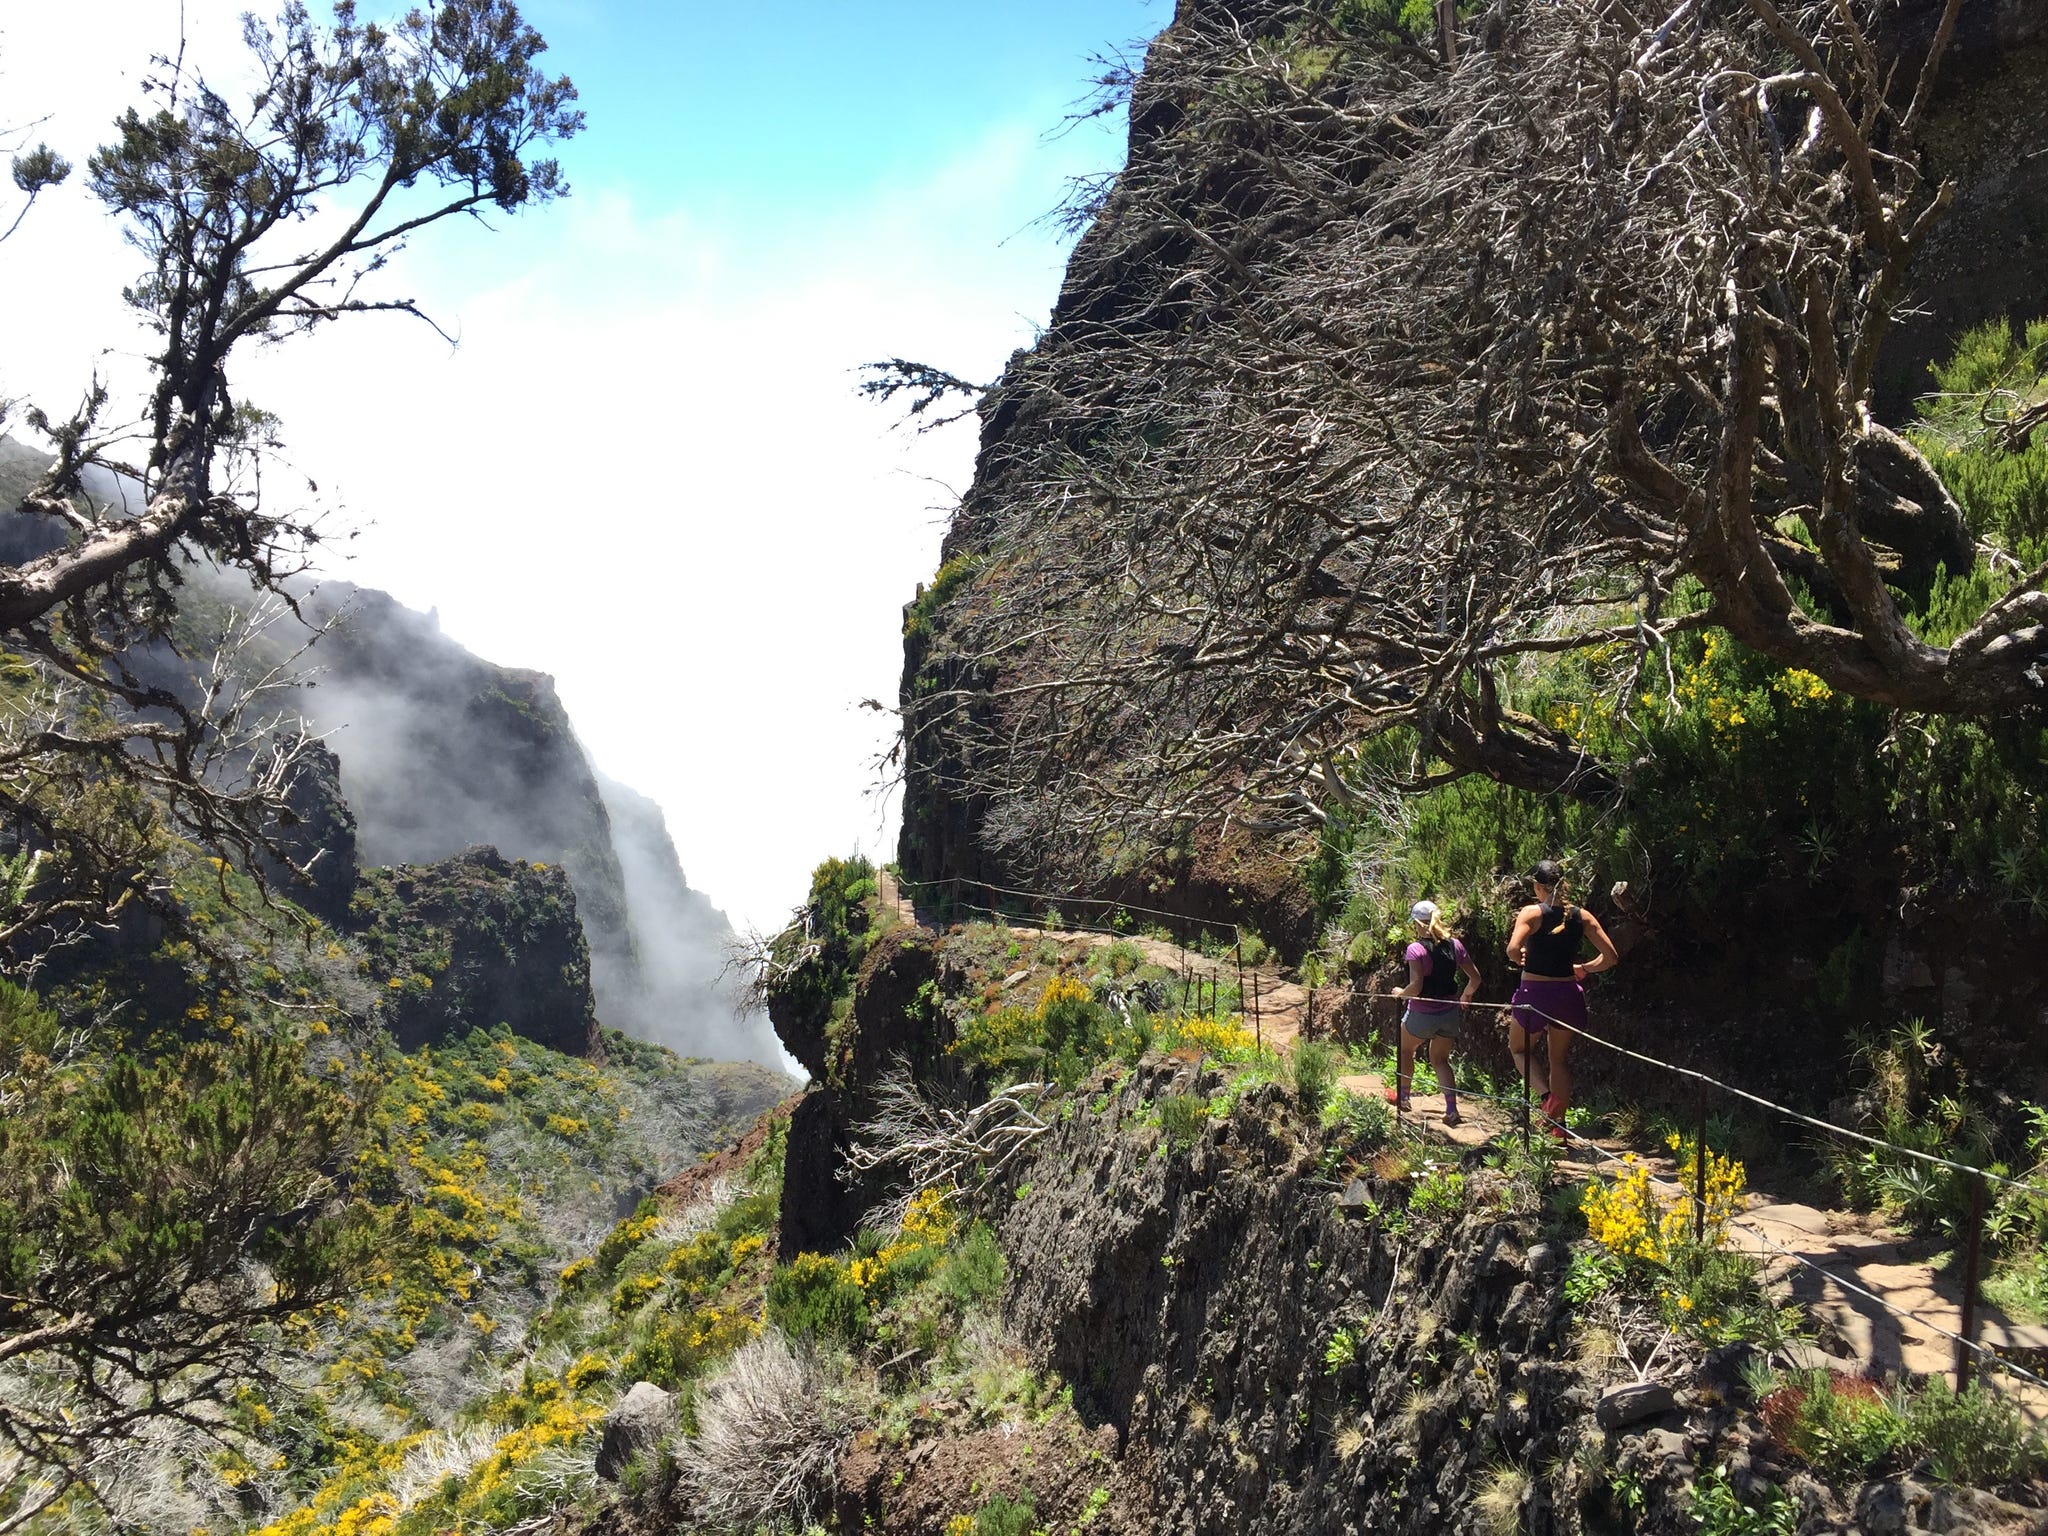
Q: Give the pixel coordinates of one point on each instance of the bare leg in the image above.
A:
(1404, 1071)
(1560, 1073)
(1440, 1058)
(1535, 1069)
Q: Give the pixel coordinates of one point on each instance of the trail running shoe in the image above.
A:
(1451, 1115)
(1397, 1098)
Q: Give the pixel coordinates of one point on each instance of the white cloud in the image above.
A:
(645, 470)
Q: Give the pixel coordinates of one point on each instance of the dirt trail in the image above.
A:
(1274, 1006)
(1855, 1253)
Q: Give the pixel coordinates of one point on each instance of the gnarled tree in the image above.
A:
(1392, 364)
(258, 215)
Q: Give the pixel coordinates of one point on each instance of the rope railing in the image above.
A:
(1814, 1121)
(1978, 1349)
(956, 881)
(1966, 1346)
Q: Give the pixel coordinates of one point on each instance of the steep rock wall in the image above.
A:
(1191, 1297)
(476, 941)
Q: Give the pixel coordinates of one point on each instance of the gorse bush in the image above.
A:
(1632, 1220)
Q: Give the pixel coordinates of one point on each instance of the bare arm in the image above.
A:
(1525, 924)
(1470, 968)
(1414, 987)
(1607, 959)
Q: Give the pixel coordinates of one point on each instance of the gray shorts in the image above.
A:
(1432, 1026)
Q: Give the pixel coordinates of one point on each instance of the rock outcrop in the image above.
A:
(892, 1024)
(473, 942)
(1194, 1299)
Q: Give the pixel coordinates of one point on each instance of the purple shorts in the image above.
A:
(1540, 1004)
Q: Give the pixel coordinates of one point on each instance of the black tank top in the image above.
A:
(1553, 948)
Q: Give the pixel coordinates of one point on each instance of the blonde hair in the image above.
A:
(1435, 928)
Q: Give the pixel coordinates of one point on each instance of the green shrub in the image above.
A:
(1361, 1122)
(2019, 1289)
(1440, 1192)
(1004, 1516)
(1593, 1272)
(1340, 1351)
(974, 1269)
(1183, 1116)
(820, 951)
(1721, 1512)
(1974, 1437)
(1123, 957)
(949, 578)
(1841, 1426)
(2003, 492)
(814, 1296)
(1315, 1075)
(1717, 1295)
(27, 1028)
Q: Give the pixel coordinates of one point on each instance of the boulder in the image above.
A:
(636, 1422)
(1620, 1406)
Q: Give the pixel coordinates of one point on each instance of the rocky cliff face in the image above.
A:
(441, 750)
(475, 941)
(1191, 1296)
(430, 750)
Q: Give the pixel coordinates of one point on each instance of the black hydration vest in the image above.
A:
(1441, 979)
(1553, 948)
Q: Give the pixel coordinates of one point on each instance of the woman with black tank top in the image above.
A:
(1434, 1004)
(1549, 937)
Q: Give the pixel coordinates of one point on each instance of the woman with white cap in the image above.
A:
(1434, 1004)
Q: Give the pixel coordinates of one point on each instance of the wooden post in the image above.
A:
(1528, 1054)
(1965, 1354)
(1258, 1028)
(1238, 951)
(1699, 1178)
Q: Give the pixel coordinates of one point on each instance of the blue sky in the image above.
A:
(644, 469)
(717, 105)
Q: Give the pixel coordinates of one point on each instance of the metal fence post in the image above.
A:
(1965, 1353)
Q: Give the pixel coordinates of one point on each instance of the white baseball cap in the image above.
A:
(1422, 913)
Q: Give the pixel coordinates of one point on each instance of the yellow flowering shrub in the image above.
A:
(1630, 1218)
(1224, 1037)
